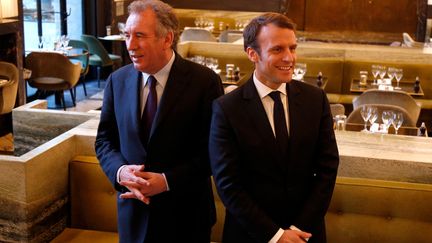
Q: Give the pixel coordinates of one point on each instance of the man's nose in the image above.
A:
(131, 43)
(288, 56)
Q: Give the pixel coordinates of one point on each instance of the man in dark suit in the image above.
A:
(152, 139)
(272, 147)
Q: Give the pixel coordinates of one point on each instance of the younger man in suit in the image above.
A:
(272, 147)
(152, 140)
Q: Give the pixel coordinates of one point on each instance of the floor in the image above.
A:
(84, 103)
(92, 101)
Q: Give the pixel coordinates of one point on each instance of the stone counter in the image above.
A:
(34, 186)
(385, 157)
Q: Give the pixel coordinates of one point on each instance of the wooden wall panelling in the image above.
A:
(361, 15)
(231, 5)
(327, 15)
(384, 15)
(295, 10)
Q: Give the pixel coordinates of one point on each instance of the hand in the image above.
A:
(133, 183)
(294, 236)
(144, 184)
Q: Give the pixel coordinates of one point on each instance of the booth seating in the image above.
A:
(368, 210)
(361, 210)
(93, 209)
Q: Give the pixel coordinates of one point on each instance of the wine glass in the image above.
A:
(398, 76)
(373, 115)
(397, 121)
(391, 73)
(387, 117)
(41, 42)
(64, 41)
(375, 72)
(365, 113)
(382, 72)
(300, 70)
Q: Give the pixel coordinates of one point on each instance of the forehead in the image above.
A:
(143, 20)
(272, 35)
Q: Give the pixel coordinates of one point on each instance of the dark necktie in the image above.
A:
(150, 108)
(279, 121)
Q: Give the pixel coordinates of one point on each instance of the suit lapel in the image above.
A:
(258, 117)
(176, 83)
(294, 109)
(132, 109)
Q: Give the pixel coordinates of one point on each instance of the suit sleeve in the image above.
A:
(107, 139)
(326, 159)
(198, 167)
(224, 157)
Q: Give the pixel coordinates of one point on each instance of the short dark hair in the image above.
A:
(167, 20)
(253, 29)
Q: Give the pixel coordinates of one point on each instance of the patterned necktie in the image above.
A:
(150, 108)
(279, 121)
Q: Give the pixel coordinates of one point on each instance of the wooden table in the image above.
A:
(69, 52)
(313, 81)
(309, 80)
(405, 86)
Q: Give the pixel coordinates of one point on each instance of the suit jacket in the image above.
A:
(262, 190)
(177, 146)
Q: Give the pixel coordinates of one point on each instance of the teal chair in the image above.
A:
(99, 56)
(83, 59)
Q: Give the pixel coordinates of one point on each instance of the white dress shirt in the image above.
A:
(268, 103)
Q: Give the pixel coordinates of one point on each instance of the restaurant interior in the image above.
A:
(373, 58)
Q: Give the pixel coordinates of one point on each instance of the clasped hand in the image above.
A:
(141, 184)
(294, 236)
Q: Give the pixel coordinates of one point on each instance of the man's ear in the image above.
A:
(169, 38)
(252, 54)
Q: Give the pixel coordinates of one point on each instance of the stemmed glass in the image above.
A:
(375, 72)
(391, 73)
(398, 76)
(212, 63)
(64, 40)
(365, 113)
(41, 42)
(373, 116)
(382, 72)
(397, 121)
(300, 70)
(387, 118)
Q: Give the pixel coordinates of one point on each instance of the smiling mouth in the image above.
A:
(285, 68)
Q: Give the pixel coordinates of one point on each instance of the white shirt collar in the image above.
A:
(263, 90)
(162, 75)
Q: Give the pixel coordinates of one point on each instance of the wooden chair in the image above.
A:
(386, 97)
(8, 89)
(356, 118)
(337, 109)
(53, 72)
(410, 42)
(197, 34)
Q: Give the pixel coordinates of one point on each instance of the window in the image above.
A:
(57, 17)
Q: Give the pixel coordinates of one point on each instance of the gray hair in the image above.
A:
(166, 19)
